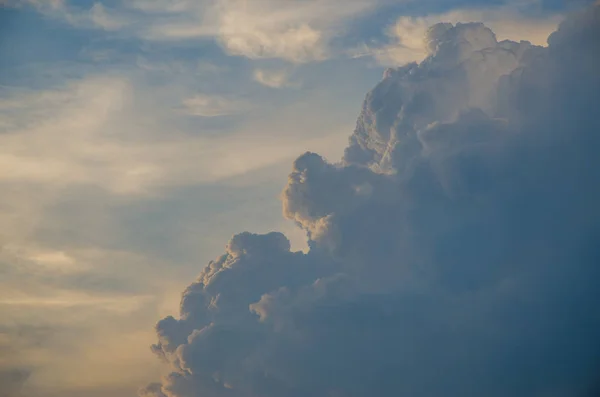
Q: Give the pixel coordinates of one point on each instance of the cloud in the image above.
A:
(152, 390)
(272, 78)
(56, 261)
(106, 131)
(119, 304)
(294, 31)
(83, 248)
(453, 252)
(297, 31)
(55, 324)
(100, 173)
(102, 18)
(97, 16)
(212, 106)
(11, 382)
(471, 54)
(408, 35)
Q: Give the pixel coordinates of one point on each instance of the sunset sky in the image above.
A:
(138, 136)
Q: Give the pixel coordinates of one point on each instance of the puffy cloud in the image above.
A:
(462, 71)
(408, 36)
(452, 253)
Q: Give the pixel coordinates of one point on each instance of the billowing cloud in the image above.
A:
(453, 252)
(408, 43)
(463, 69)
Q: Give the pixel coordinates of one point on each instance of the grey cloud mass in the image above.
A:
(11, 381)
(453, 252)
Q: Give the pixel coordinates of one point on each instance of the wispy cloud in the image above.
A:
(121, 304)
(95, 16)
(213, 106)
(274, 78)
(294, 31)
(95, 132)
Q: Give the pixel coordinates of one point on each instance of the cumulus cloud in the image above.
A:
(462, 71)
(452, 253)
(408, 36)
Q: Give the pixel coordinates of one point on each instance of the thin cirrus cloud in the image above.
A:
(98, 16)
(213, 106)
(61, 137)
(54, 311)
(95, 16)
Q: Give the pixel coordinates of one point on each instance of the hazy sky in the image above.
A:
(138, 136)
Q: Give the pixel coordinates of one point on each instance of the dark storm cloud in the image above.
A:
(453, 253)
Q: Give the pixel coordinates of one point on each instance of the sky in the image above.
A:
(138, 137)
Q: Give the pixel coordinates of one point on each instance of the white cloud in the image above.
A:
(119, 304)
(104, 19)
(294, 31)
(161, 6)
(55, 260)
(243, 34)
(407, 35)
(272, 78)
(97, 131)
(213, 106)
(297, 31)
(178, 31)
(96, 16)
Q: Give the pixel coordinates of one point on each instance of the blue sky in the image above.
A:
(137, 136)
